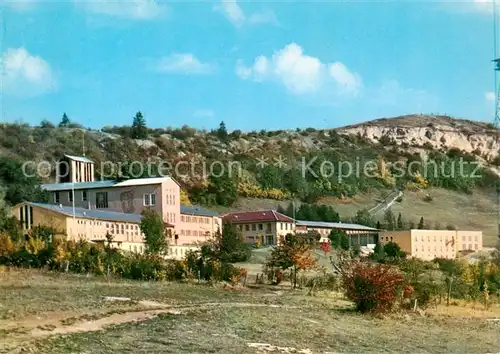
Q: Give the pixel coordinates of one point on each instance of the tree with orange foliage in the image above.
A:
(292, 253)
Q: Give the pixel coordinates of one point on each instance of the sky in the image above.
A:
(252, 64)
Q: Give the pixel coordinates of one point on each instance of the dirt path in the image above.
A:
(26, 331)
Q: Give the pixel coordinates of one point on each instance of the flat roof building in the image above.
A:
(431, 244)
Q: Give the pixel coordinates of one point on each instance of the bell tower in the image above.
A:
(74, 169)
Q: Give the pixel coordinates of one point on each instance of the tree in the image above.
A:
(139, 129)
(378, 227)
(224, 188)
(153, 229)
(378, 253)
(292, 252)
(400, 224)
(65, 121)
(232, 245)
(184, 198)
(17, 186)
(281, 210)
(290, 211)
(222, 132)
(392, 249)
(421, 223)
(363, 217)
(389, 220)
(46, 124)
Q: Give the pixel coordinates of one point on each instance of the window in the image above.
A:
(247, 227)
(84, 196)
(268, 227)
(21, 215)
(149, 199)
(70, 196)
(281, 226)
(254, 227)
(261, 227)
(57, 198)
(101, 200)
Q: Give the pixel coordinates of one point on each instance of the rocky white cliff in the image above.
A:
(440, 133)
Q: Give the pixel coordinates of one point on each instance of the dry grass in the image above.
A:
(466, 212)
(217, 320)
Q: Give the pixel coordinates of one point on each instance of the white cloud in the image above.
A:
(232, 11)
(490, 96)
(235, 14)
(300, 73)
(203, 113)
(129, 9)
(347, 80)
(183, 63)
(24, 74)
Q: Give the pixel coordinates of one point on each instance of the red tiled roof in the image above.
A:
(256, 216)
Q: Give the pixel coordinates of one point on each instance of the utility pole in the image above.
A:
(496, 88)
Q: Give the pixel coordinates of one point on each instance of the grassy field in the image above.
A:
(58, 313)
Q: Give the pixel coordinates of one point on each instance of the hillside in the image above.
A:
(349, 167)
(437, 132)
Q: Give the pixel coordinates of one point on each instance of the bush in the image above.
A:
(372, 287)
(326, 282)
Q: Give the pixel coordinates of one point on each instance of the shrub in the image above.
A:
(424, 292)
(372, 287)
(326, 282)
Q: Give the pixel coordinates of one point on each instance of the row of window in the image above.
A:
(57, 196)
(254, 227)
(422, 238)
(171, 218)
(90, 222)
(170, 199)
(193, 219)
(26, 216)
(194, 233)
(101, 198)
(122, 226)
(470, 238)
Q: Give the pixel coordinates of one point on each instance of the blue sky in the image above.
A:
(255, 65)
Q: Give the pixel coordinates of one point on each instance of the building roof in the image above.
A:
(78, 158)
(335, 225)
(53, 187)
(90, 213)
(196, 210)
(256, 216)
(141, 181)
